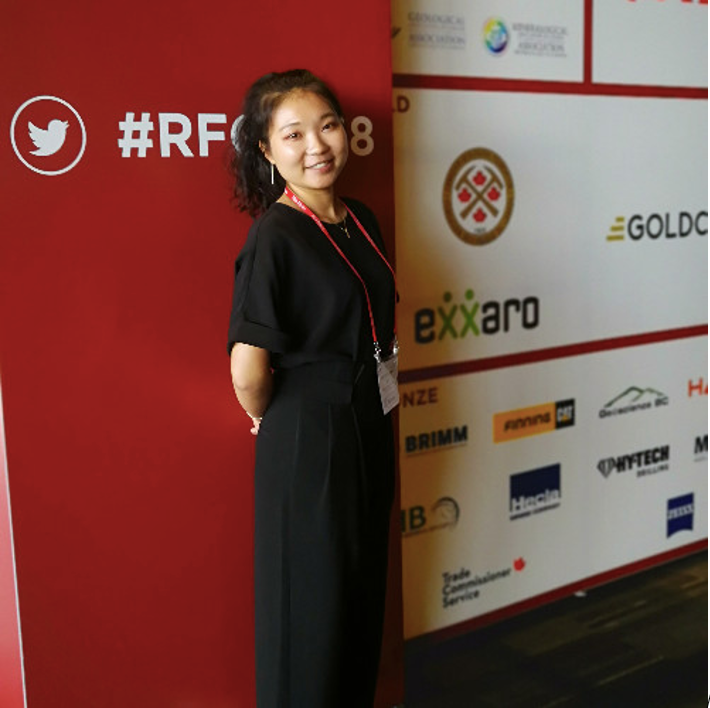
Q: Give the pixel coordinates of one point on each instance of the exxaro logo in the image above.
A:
(478, 196)
(459, 320)
(679, 514)
(535, 420)
(632, 400)
(645, 462)
(659, 226)
(535, 491)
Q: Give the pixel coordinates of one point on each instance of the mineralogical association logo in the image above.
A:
(48, 135)
(495, 36)
(478, 196)
(679, 514)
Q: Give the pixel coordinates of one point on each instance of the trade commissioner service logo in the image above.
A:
(48, 135)
(478, 196)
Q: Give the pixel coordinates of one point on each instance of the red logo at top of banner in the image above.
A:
(48, 135)
(478, 196)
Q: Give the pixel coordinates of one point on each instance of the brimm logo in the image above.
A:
(436, 439)
(460, 320)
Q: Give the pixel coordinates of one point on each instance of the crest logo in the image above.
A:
(478, 196)
(495, 36)
(48, 135)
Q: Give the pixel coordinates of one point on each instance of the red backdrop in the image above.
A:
(129, 460)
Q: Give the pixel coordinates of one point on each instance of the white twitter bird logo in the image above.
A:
(50, 140)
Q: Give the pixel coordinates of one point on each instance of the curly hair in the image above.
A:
(253, 190)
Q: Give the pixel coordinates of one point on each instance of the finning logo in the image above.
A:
(535, 491)
(680, 514)
(478, 196)
(495, 36)
(632, 400)
(524, 422)
(48, 135)
(443, 513)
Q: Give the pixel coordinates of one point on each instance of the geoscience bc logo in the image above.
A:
(478, 196)
(48, 135)
(634, 399)
(495, 36)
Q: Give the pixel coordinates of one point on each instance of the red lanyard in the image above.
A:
(306, 210)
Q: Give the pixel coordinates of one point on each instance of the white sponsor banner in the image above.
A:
(527, 221)
(489, 38)
(650, 43)
(517, 482)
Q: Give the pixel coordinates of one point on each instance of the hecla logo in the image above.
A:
(48, 135)
(471, 318)
(495, 36)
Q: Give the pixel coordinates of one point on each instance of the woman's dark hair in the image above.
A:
(253, 190)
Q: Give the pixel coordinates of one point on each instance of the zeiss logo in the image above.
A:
(680, 514)
(535, 491)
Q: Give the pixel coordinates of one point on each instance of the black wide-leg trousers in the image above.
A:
(324, 486)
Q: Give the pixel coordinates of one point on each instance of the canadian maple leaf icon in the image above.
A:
(479, 179)
(479, 215)
(464, 195)
(494, 194)
(519, 564)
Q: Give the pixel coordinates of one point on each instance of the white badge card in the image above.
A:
(387, 372)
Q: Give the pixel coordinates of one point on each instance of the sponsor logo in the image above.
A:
(535, 420)
(436, 30)
(443, 514)
(701, 448)
(645, 463)
(697, 388)
(495, 36)
(540, 40)
(435, 440)
(471, 318)
(416, 397)
(658, 226)
(535, 491)
(463, 585)
(48, 135)
(632, 400)
(679, 515)
(478, 196)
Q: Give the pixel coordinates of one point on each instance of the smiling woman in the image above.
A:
(312, 311)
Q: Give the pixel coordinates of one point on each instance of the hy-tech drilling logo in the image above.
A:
(478, 196)
(645, 462)
(654, 227)
(48, 135)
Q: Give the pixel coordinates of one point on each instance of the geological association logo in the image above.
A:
(478, 196)
(495, 36)
(48, 135)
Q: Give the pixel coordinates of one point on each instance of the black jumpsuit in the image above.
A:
(324, 476)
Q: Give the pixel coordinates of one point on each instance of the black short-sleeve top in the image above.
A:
(297, 297)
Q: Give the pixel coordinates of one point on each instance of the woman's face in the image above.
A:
(307, 143)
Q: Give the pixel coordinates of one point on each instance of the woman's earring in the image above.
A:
(272, 173)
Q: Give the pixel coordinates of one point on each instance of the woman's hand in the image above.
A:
(256, 424)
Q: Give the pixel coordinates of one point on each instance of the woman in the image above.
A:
(313, 299)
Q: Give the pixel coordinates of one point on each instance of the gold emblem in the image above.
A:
(478, 196)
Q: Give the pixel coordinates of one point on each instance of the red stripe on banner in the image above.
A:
(466, 83)
(561, 593)
(539, 355)
(588, 38)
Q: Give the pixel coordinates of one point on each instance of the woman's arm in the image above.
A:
(252, 380)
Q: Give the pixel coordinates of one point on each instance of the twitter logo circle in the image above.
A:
(48, 135)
